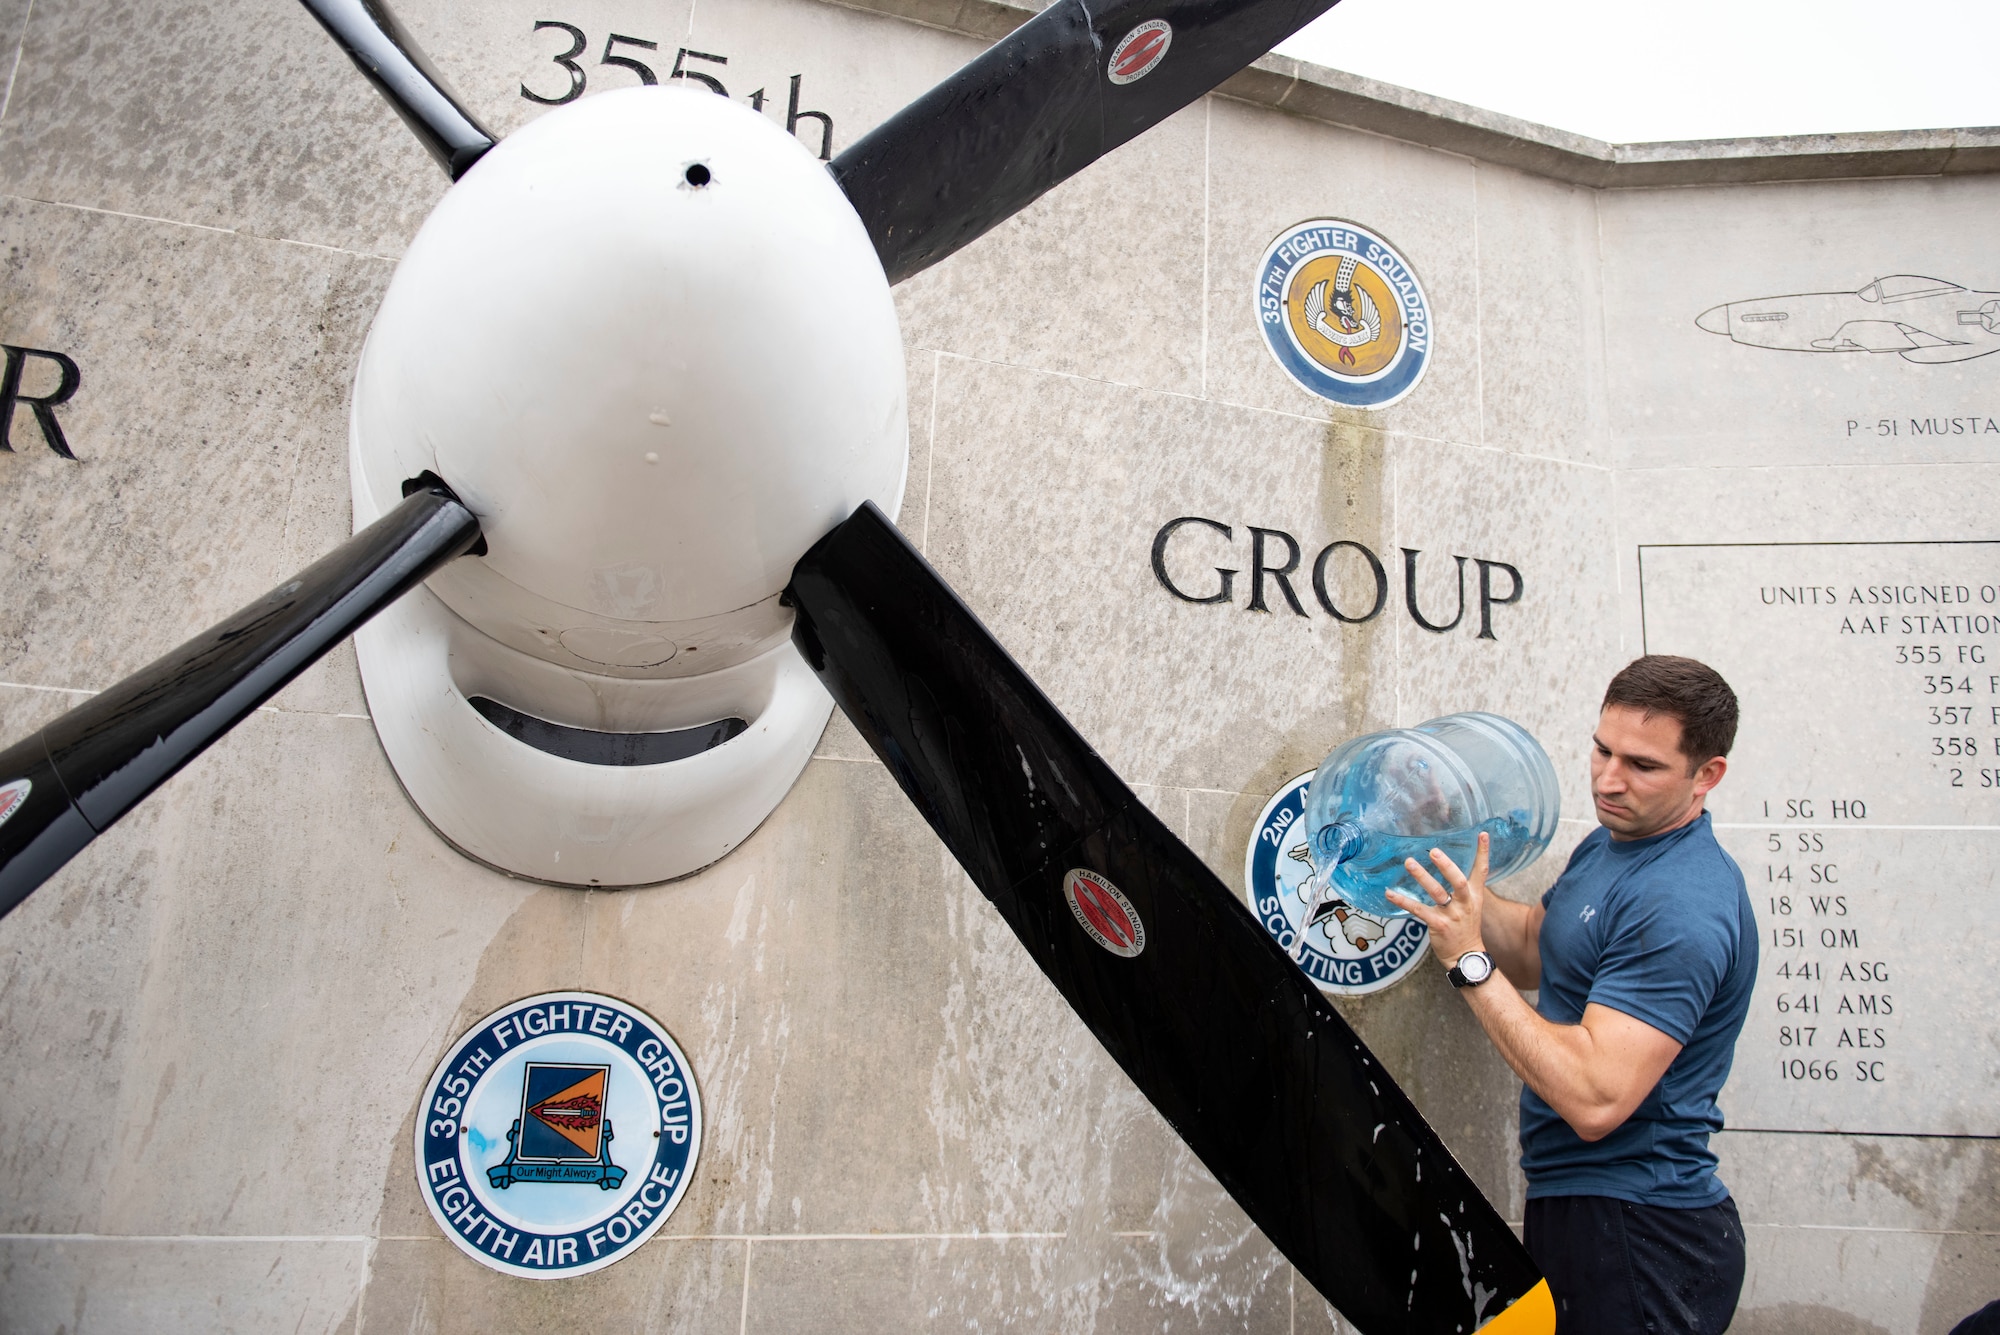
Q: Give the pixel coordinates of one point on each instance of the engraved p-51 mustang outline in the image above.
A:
(1925, 320)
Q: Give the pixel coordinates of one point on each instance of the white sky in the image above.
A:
(1627, 71)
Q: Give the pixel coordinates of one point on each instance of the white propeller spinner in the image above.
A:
(648, 342)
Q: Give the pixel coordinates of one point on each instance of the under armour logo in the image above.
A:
(1589, 912)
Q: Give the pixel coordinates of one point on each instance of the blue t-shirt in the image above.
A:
(1660, 929)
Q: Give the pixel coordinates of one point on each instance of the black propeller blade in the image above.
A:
(65, 785)
(1221, 1031)
(1039, 106)
(370, 33)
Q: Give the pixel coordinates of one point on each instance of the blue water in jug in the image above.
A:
(1379, 799)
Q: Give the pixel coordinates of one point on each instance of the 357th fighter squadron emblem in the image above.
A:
(1344, 314)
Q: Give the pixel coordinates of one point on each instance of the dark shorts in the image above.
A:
(1616, 1268)
(1986, 1321)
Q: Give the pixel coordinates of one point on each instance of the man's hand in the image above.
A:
(1507, 930)
(1454, 916)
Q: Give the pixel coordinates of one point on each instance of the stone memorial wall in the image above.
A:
(1861, 808)
(218, 1022)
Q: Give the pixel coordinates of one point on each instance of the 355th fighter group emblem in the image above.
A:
(558, 1134)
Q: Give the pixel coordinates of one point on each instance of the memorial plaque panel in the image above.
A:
(1863, 804)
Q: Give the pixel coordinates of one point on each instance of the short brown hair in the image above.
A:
(1681, 688)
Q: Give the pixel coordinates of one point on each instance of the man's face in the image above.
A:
(1639, 776)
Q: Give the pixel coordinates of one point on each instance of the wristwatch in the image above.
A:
(1473, 968)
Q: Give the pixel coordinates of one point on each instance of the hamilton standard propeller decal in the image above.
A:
(1344, 313)
(12, 795)
(1139, 51)
(1102, 910)
(558, 1135)
(1345, 951)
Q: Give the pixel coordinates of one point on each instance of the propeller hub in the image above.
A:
(649, 343)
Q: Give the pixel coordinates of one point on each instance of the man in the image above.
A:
(1645, 952)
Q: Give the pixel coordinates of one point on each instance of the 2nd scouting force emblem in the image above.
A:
(1346, 951)
(1344, 314)
(558, 1135)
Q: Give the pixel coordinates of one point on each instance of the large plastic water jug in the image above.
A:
(1379, 799)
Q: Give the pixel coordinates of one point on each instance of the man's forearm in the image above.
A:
(1563, 1063)
(1593, 1073)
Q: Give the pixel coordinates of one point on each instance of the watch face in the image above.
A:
(1476, 968)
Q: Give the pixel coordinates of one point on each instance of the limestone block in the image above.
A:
(1863, 1182)
(109, 1286)
(672, 1286)
(262, 969)
(1807, 1279)
(1128, 231)
(70, 1013)
(1552, 652)
(1268, 171)
(1049, 492)
(246, 118)
(1541, 331)
(838, 53)
(210, 433)
(998, 1283)
(1680, 395)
